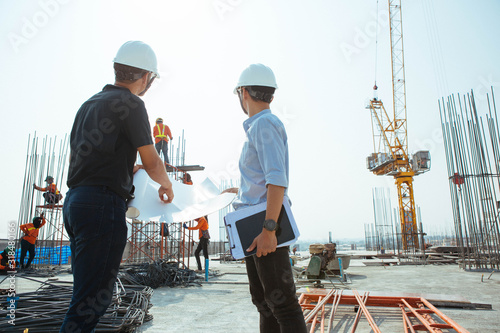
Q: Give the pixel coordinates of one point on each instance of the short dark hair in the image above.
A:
(37, 221)
(125, 73)
(261, 93)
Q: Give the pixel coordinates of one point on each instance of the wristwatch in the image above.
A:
(270, 225)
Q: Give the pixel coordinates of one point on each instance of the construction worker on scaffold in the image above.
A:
(52, 195)
(162, 134)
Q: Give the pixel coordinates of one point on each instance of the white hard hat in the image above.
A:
(257, 75)
(137, 54)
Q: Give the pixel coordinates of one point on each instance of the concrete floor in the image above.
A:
(224, 305)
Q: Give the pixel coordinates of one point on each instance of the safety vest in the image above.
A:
(31, 233)
(52, 188)
(161, 133)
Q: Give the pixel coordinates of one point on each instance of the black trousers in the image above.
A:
(273, 293)
(202, 245)
(27, 247)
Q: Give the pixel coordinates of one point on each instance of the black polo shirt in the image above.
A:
(108, 129)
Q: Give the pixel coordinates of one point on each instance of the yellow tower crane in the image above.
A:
(390, 137)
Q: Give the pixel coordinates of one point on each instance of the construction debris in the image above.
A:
(328, 309)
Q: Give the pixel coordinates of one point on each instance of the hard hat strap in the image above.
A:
(266, 97)
(128, 76)
(149, 85)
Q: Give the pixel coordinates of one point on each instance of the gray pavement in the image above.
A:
(223, 304)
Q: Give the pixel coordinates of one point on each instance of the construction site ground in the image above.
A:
(223, 303)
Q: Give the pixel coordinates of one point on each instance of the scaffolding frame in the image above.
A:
(44, 156)
(146, 241)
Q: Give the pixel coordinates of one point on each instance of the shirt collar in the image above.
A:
(112, 86)
(247, 123)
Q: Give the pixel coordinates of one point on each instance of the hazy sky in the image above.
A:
(56, 54)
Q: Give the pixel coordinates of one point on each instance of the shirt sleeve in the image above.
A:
(136, 125)
(270, 141)
(198, 226)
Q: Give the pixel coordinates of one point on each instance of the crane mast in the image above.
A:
(390, 136)
(398, 73)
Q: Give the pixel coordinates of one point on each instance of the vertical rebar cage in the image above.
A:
(45, 156)
(472, 152)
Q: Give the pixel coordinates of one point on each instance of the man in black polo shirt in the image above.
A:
(109, 129)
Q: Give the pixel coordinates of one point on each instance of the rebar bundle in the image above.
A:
(473, 160)
(158, 274)
(43, 310)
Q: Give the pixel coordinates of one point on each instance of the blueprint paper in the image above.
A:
(190, 201)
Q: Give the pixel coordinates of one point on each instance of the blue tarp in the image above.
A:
(48, 255)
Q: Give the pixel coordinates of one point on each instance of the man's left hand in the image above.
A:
(265, 242)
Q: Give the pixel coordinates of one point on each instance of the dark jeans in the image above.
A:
(163, 147)
(94, 218)
(273, 293)
(202, 245)
(51, 198)
(27, 247)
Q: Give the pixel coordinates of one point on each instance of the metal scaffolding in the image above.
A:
(381, 237)
(223, 248)
(146, 242)
(149, 241)
(385, 236)
(471, 144)
(46, 156)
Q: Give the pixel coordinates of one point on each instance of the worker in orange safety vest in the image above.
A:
(52, 194)
(28, 241)
(186, 179)
(7, 264)
(162, 134)
(204, 239)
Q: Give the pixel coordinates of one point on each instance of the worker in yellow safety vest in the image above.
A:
(28, 241)
(162, 134)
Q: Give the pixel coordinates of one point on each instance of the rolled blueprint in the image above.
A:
(190, 201)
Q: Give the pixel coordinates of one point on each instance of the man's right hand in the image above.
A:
(156, 170)
(166, 191)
